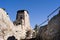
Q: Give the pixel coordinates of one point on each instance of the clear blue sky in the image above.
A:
(38, 9)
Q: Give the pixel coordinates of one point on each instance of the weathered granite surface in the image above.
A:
(9, 31)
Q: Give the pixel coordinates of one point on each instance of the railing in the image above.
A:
(49, 16)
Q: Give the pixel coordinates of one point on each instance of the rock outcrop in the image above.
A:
(51, 31)
(9, 31)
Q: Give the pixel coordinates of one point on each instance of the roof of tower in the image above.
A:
(20, 11)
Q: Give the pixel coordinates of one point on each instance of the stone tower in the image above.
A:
(22, 18)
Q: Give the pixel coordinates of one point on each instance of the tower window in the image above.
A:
(21, 17)
(19, 23)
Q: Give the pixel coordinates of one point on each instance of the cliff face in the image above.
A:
(4, 25)
(52, 30)
(9, 31)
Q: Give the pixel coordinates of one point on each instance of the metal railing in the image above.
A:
(49, 16)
